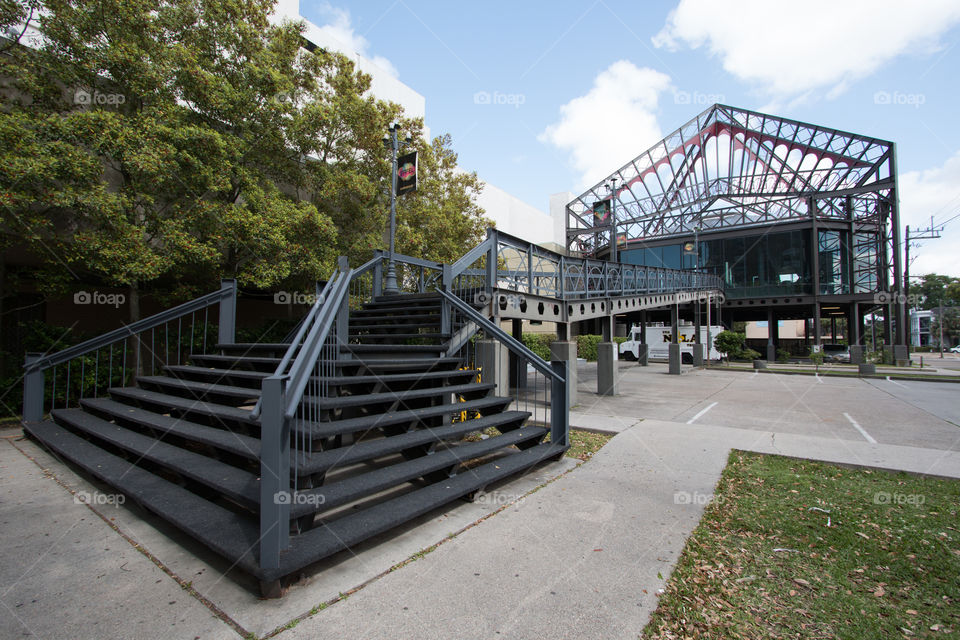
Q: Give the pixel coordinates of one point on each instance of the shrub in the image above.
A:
(730, 343)
(539, 343)
(587, 347)
(783, 355)
(749, 354)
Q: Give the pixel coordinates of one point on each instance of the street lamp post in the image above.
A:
(613, 219)
(391, 141)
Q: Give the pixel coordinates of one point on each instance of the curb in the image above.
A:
(853, 374)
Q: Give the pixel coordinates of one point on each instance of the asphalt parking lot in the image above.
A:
(908, 413)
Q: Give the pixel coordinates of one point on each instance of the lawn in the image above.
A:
(799, 549)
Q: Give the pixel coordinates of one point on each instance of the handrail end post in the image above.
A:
(378, 277)
(228, 311)
(33, 383)
(275, 490)
(559, 405)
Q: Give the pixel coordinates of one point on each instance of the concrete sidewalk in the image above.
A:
(585, 556)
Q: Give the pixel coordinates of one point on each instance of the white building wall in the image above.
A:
(516, 217)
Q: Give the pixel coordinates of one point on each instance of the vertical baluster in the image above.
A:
(66, 395)
(96, 374)
(53, 393)
(179, 337)
(206, 313)
(83, 363)
(123, 366)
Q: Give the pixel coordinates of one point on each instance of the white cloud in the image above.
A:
(340, 32)
(789, 48)
(612, 123)
(933, 192)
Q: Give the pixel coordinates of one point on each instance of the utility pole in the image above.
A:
(930, 233)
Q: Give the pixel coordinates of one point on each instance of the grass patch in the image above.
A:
(887, 565)
(583, 444)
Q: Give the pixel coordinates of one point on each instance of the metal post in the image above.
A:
(228, 312)
(559, 406)
(275, 491)
(446, 283)
(377, 280)
(613, 220)
(343, 313)
(906, 291)
(33, 383)
(391, 288)
(492, 260)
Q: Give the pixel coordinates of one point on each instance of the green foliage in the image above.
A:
(783, 355)
(748, 354)
(587, 347)
(936, 289)
(209, 144)
(951, 327)
(816, 357)
(539, 343)
(730, 343)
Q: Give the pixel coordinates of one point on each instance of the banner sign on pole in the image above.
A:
(601, 212)
(407, 173)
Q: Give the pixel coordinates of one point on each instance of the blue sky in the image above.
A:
(579, 88)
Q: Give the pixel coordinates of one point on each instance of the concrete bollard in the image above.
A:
(759, 364)
(867, 369)
(674, 368)
(567, 351)
(607, 369)
(492, 358)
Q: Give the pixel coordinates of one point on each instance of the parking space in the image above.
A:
(916, 414)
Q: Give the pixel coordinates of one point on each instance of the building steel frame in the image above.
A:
(730, 169)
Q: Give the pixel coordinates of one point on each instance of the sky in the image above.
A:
(547, 97)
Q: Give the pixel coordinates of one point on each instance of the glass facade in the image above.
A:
(762, 265)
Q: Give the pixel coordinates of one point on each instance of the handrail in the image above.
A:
(471, 256)
(126, 331)
(511, 343)
(301, 368)
(418, 262)
(295, 343)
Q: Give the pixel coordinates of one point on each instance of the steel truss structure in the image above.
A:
(730, 169)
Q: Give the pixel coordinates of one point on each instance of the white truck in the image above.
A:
(658, 339)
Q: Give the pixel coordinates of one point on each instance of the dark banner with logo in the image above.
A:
(407, 173)
(601, 212)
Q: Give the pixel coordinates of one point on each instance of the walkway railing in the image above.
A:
(61, 380)
(503, 261)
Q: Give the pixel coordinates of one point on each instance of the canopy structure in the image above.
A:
(731, 169)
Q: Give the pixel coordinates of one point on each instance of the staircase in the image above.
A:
(386, 443)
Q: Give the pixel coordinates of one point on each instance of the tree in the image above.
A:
(951, 327)
(730, 343)
(935, 290)
(173, 142)
(441, 219)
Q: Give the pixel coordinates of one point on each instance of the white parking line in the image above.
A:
(860, 429)
(897, 383)
(817, 376)
(691, 420)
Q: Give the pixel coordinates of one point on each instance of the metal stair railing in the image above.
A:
(117, 357)
(289, 408)
(544, 394)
